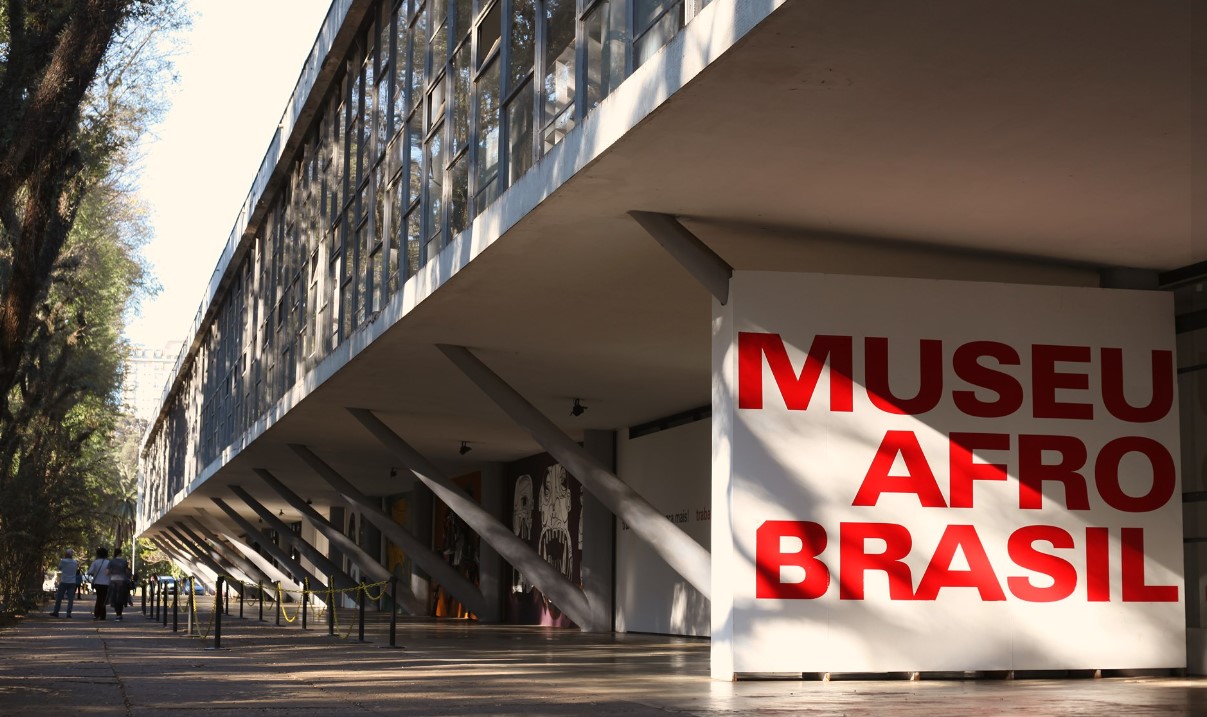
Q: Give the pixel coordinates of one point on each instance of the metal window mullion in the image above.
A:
(538, 78)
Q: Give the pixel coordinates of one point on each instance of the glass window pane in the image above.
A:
(458, 209)
(435, 185)
(401, 69)
(374, 282)
(435, 103)
(488, 131)
(461, 85)
(489, 32)
(414, 242)
(417, 59)
(605, 50)
(415, 159)
(658, 35)
(646, 11)
(559, 79)
(521, 43)
(397, 231)
(464, 10)
(519, 134)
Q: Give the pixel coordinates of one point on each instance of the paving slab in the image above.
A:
(138, 668)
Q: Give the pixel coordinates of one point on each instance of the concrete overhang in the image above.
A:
(1022, 141)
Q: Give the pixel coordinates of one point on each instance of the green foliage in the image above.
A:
(80, 83)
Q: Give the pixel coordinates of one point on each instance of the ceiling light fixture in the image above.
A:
(465, 448)
(281, 512)
(578, 408)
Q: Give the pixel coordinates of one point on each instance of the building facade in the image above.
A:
(480, 217)
(145, 376)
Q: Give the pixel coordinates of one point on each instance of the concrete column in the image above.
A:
(435, 565)
(552, 583)
(599, 533)
(343, 581)
(494, 575)
(680, 551)
(281, 556)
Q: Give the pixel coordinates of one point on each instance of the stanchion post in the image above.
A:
(280, 602)
(332, 597)
(154, 596)
(143, 601)
(218, 613)
(242, 595)
(163, 608)
(176, 608)
(225, 593)
(305, 601)
(393, 610)
(360, 616)
(260, 585)
(190, 606)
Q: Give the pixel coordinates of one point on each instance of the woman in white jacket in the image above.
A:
(99, 570)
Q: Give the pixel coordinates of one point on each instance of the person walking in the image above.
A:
(119, 582)
(99, 570)
(69, 569)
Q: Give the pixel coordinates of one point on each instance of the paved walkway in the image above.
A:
(139, 668)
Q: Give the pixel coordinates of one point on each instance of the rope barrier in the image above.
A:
(281, 606)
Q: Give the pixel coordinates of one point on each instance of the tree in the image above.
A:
(79, 85)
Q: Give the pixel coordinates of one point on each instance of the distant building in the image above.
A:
(147, 370)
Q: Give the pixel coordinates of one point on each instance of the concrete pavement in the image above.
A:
(138, 668)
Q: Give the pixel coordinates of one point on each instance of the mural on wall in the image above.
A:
(547, 508)
(458, 545)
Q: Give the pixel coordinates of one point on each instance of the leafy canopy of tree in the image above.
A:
(79, 84)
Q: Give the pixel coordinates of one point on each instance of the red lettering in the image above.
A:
(1113, 381)
(980, 574)
(1033, 472)
(919, 479)
(1097, 565)
(797, 390)
(1134, 589)
(1021, 546)
(771, 558)
(964, 470)
(1046, 381)
(967, 366)
(930, 377)
(855, 561)
(1106, 474)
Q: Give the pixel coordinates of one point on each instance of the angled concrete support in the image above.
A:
(343, 581)
(297, 570)
(206, 555)
(368, 564)
(185, 557)
(522, 557)
(457, 584)
(668, 541)
(250, 572)
(686, 248)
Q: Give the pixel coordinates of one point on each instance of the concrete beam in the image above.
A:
(206, 539)
(368, 564)
(692, 254)
(206, 555)
(343, 581)
(281, 556)
(436, 566)
(667, 540)
(522, 557)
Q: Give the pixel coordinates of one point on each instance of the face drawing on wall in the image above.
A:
(521, 524)
(555, 545)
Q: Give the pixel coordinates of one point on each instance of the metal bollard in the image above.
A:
(280, 602)
(242, 591)
(143, 601)
(218, 614)
(360, 618)
(332, 596)
(260, 585)
(393, 610)
(225, 593)
(163, 612)
(154, 597)
(189, 607)
(176, 608)
(305, 600)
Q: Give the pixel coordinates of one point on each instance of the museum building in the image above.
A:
(853, 336)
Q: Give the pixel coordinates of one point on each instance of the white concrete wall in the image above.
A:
(672, 469)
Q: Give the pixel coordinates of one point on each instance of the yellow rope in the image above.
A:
(380, 593)
(281, 606)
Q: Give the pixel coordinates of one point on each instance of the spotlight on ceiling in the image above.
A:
(578, 408)
(465, 448)
(281, 512)
(393, 472)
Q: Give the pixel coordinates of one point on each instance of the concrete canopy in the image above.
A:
(859, 137)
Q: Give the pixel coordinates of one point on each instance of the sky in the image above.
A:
(237, 68)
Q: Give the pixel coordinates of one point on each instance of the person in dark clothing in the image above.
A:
(119, 582)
